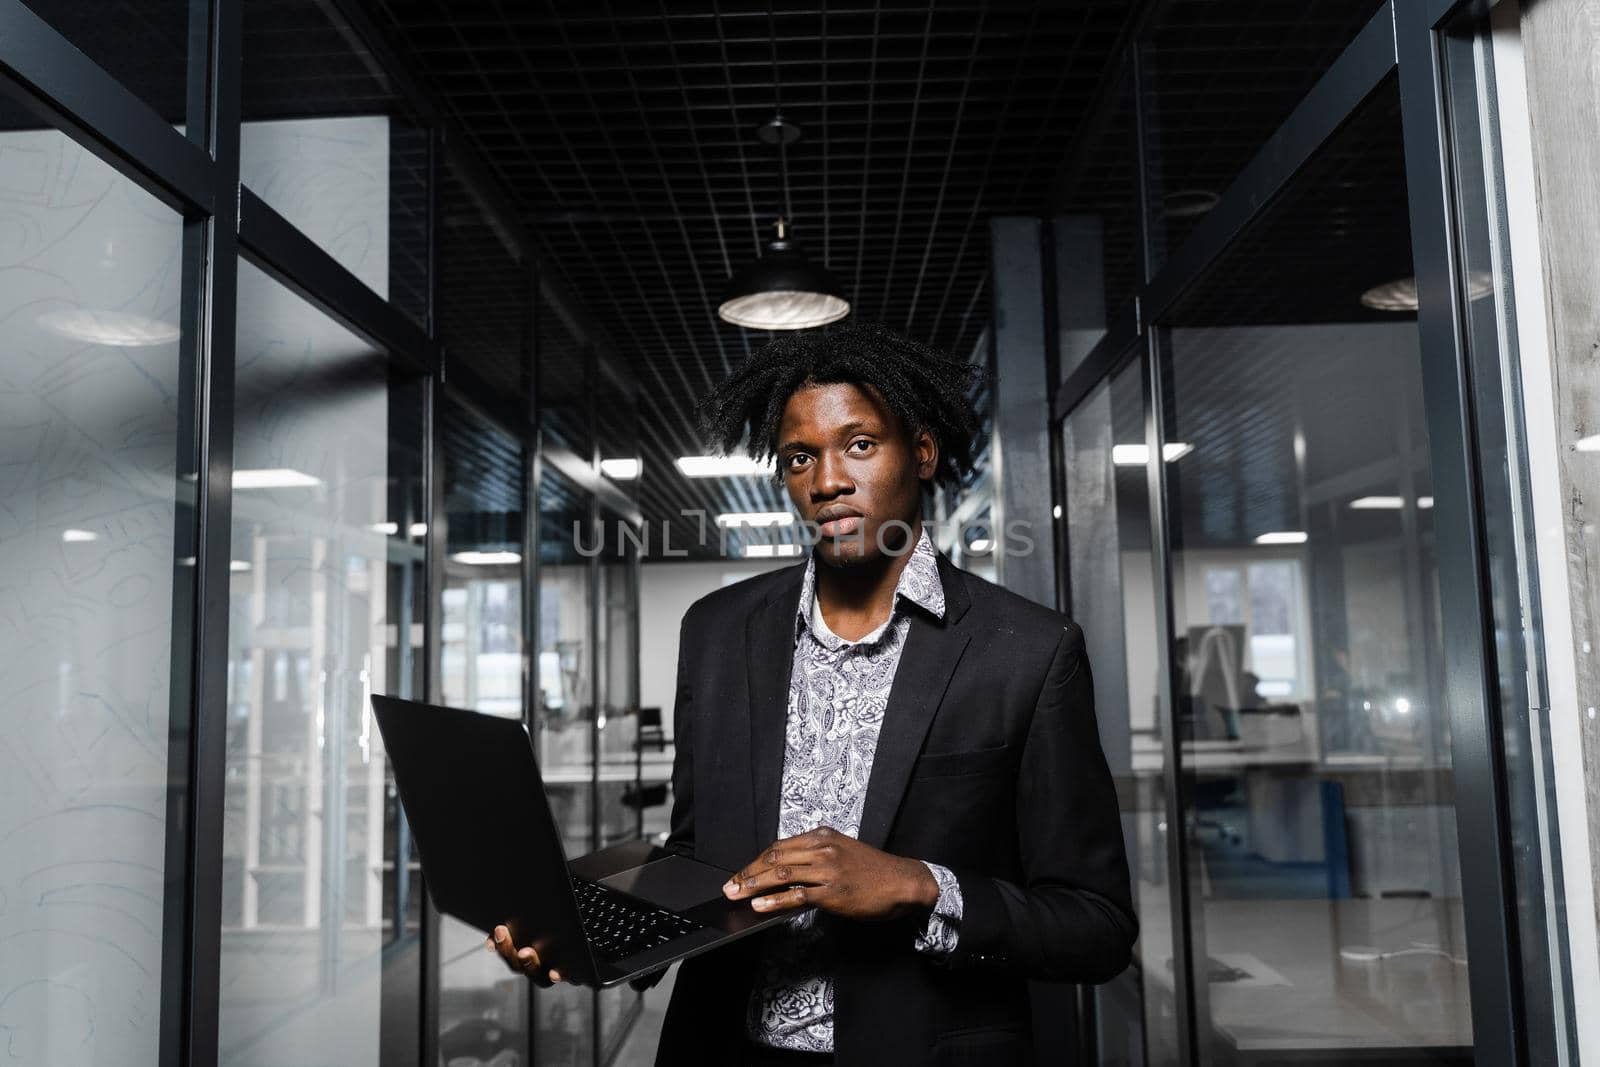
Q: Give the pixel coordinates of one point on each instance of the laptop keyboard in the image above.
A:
(619, 926)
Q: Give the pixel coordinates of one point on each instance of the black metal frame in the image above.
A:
(1400, 40)
(198, 176)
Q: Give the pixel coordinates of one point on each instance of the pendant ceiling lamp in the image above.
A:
(783, 290)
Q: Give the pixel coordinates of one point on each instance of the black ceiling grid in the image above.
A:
(623, 134)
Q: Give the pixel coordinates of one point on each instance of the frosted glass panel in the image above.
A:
(303, 907)
(89, 273)
(88, 451)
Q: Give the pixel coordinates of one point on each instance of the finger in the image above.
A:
(508, 949)
(796, 867)
(775, 858)
(555, 975)
(528, 963)
(785, 900)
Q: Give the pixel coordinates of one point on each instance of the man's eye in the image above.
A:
(862, 441)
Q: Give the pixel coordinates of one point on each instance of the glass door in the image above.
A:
(483, 1007)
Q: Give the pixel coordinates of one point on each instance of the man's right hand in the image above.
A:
(524, 961)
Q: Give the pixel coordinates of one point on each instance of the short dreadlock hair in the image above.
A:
(926, 388)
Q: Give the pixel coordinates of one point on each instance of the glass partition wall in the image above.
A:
(241, 499)
(587, 717)
(238, 427)
(1334, 793)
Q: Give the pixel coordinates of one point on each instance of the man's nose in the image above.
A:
(832, 477)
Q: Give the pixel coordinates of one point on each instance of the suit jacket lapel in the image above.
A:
(933, 648)
(769, 645)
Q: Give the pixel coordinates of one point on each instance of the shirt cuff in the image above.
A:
(938, 937)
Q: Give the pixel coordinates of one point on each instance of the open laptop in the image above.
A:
(492, 854)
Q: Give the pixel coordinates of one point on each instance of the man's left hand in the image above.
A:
(836, 873)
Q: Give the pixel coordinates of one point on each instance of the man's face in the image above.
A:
(851, 466)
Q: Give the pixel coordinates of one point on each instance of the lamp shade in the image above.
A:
(783, 290)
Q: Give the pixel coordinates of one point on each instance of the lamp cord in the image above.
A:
(777, 107)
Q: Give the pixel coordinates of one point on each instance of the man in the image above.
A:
(898, 753)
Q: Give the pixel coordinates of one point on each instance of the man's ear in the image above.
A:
(926, 449)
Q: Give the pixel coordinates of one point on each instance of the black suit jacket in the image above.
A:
(988, 762)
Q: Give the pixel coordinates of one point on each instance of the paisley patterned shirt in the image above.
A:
(838, 690)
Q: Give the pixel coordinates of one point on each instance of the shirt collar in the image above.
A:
(918, 583)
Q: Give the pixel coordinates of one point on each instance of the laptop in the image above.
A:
(492, 854)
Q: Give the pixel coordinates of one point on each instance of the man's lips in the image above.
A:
(843, 526)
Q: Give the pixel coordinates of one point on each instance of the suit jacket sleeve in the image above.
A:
(680, 837)
(1071, 917)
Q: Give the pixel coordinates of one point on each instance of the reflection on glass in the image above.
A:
(1213, 95)
(567, 729)
(1096, 230)
(330, 147)
(1315, 750)
(303, 848)
(1113, 597)
(483, 305)
(621, 798)
(1490, 333)
(483, 1007)
(566, 367)
(88, 474)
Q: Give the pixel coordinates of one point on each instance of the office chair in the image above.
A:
(650, 730)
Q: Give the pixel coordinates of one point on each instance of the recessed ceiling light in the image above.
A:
(1282, 537)
(719, 466)
(119, 328)
(79, 535)
(770, 551)
(486, 559)
(387, 528)
(418, 529)
(621, 469)
(1139, 455)
(238, 566)
(1588, 444)
(273, 478)
(1386, 503)
(756, 518)
(1401, 294)
(979, 545)
(1188, 203)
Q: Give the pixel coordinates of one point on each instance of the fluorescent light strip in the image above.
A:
(621, 469)
(418, 529)
(79, 535)
(387, 528)
(770, 551)
(1387, 503)
(720, 466)
(273, 478)
(1588, 444)
(1282, 537)
(1139, 455)
(486, 559)
(756, 518)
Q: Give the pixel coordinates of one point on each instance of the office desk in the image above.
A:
(1302, 1002)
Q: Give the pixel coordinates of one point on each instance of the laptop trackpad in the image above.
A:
(674, 882)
